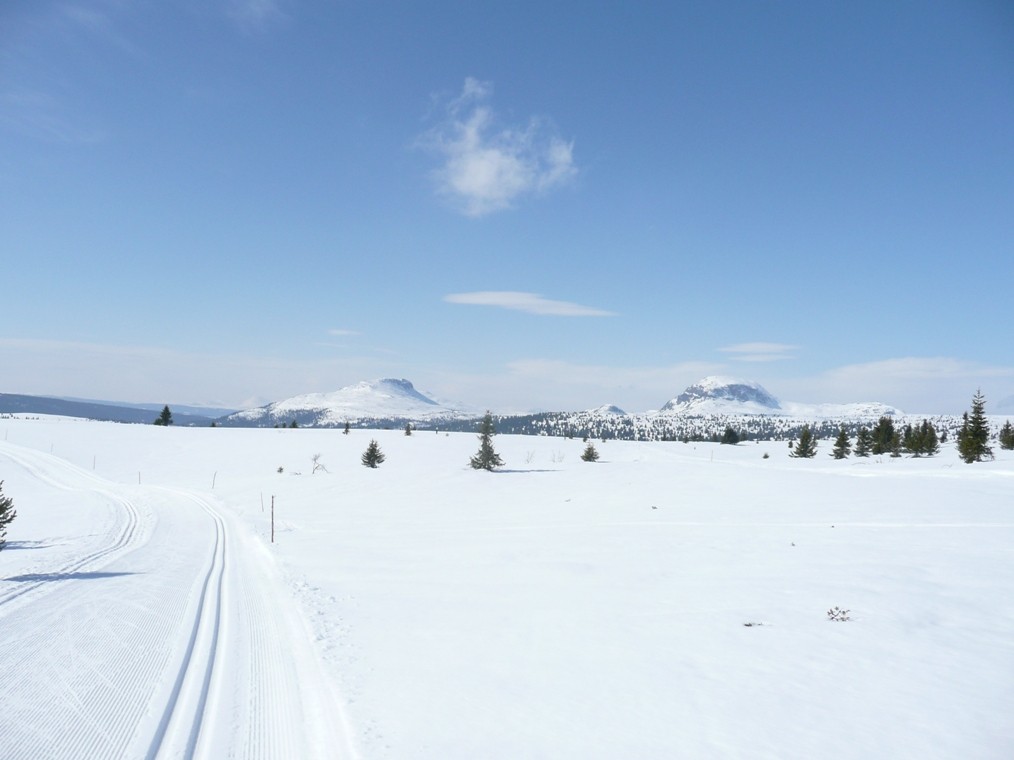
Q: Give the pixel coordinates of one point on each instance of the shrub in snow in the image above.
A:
(7, 514)
(373, 456)
(590, 454)
(838, 615)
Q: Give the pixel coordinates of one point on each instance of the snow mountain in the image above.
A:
(723, 395)
(387, 399)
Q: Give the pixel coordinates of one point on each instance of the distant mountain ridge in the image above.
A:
(386, 399)
(716, 393)
(14, 403)
(702, 411)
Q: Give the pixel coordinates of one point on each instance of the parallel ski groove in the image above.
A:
(188, 701)
(123, 539)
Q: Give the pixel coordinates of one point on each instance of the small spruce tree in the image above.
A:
(973, 438)
(864, 442)
(486, 458)
(895, 444)
(929, 443)
(842, 444)
(1007, 436)
(911, 440)
(590, 454)
(881, 435)
(373, 456)
(730, 436)
(408, 428)
(806, 446)
(7, 515)
(165, 417)
(346, 430)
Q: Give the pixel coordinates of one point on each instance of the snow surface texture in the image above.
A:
(667, 601)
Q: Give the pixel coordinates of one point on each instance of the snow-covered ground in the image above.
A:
(668, 601)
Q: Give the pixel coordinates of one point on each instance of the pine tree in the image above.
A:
(806, 446)
(842, 445)
(911, 440)
(882, 434)
(928, 439)
(730, 436)
(165, 418)
(590, 454)
(895, 444)
(1007, 436)
(408, 428)
(973, 438)
(486, 458)
(373, 456)
(864, 442)
(346, 430)
(7, 515)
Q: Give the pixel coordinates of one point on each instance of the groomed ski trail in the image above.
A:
(172, 638)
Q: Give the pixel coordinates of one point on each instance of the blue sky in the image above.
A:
(531, 206)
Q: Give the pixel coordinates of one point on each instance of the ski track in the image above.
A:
(183, 648)
(124, 534)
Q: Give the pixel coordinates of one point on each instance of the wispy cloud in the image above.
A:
(760, 352)
(151, 373)
(44, 117)
(252, 15)
(530, 303)
(486, 167)
(527, 385)
(342, 332)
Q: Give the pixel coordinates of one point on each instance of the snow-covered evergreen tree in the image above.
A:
(806, 446)
(842, 444)
(973, 438)
(373, 456)
(1007, 436)
(486, 458)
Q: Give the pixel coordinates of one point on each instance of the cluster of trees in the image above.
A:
(485, 458)
(883, 438)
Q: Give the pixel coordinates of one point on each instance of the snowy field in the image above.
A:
(668, 601)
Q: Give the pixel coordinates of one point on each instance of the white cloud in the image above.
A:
(486, 167)
(528, 385)
(530, 303)
(342, 333)
(254, 14)
(919, 385)
(154, 374)
(760, 352)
